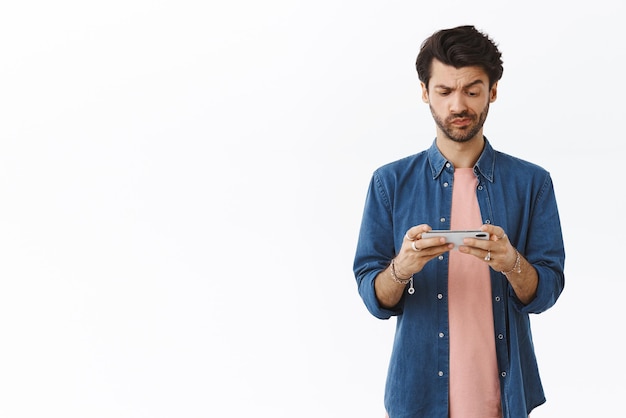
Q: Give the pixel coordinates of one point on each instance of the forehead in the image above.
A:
(448, 76)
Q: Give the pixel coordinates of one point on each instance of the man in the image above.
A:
(463, 345)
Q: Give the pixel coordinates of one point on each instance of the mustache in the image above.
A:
(464, 114)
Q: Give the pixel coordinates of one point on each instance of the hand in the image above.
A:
(497, 251)
(416, 252)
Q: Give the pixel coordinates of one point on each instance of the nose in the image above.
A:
(457, 103)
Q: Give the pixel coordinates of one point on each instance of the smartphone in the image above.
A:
(456, 237)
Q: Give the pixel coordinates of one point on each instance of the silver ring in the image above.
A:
(488, 256)
(413, 246)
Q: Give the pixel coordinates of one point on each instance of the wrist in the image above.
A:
(517, 266)
(396, 276)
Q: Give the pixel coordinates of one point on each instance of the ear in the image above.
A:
(493, 94)
(424, 92)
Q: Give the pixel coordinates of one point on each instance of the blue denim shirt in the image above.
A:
(512, 193)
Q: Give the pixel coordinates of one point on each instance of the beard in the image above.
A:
(465, 133)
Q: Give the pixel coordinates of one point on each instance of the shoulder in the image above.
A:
(522, 174)
(506, 161)
(403, 166)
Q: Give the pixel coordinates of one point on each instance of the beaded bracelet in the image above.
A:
(396, 278)
(517, 268)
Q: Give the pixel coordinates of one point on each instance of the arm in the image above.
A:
(389, 292)
(537, 279)
(377, 246)
(523, 278)
(501, 256)
(415, 253)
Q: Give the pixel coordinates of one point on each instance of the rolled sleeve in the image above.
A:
(368, 294)
(549, 288)
(375, 247)
(545, 251)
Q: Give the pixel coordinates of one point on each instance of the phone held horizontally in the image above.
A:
(456, 237)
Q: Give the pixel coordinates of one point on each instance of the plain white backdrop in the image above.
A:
(181, 185)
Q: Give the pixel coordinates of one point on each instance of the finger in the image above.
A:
(484, 254)
(483, 244)
(437, 244)
(424, 245)
(415, 232)
(433, 245)
(496, 233)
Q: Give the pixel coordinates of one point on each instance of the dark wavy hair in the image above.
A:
(463, 46)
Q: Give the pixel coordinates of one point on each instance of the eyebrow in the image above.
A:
(472, 84)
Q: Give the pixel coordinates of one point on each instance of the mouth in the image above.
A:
(460, 122)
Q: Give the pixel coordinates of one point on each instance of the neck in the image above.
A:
(461, 154)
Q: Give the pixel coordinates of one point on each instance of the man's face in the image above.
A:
(459, 100)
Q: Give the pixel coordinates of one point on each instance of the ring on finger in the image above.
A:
(488, 256)
(413, 246)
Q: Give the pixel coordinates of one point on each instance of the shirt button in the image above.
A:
(497, 298)
(439, 296)
(448, 165)
(487, 221)
(503, 374)
(441, 257)
(441, 335)
(480, 187)
(445, 184)
(500, 336)
(442, 220)
(440, 373)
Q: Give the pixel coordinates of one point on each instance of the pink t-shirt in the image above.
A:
(474, 384)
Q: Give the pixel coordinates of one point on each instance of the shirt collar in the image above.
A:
(485, 164)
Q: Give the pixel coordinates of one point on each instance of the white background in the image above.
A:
(181, 185)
